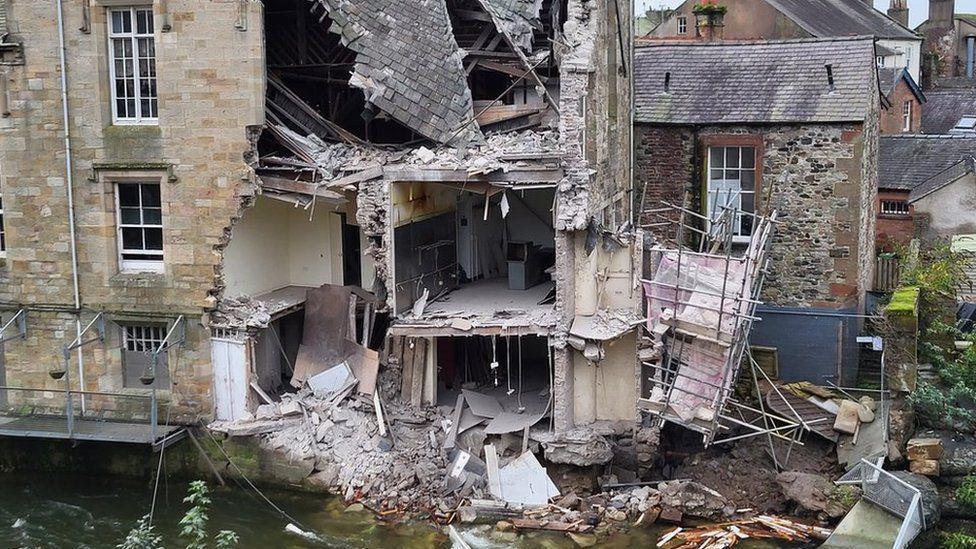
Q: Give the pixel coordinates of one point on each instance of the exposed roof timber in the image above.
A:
(408, 64)
(302, 187)
(420, 330)
(461, 176)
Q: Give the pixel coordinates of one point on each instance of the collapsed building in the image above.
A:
(454, 174)
(465, 163)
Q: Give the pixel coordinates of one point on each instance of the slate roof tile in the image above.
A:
(754, 82)
(831, 18)
(405, 47)
(944, 108)
(907, 161)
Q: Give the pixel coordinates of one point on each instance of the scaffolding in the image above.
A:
(707, 278)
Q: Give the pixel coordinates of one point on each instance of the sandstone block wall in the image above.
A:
(211, 89)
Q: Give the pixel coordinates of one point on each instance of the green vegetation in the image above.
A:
(957, 540)
(941, 405)
(966, 493)
(194, 526)
(904, 301)
(709, 7)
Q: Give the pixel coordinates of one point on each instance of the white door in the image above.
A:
(229, 361)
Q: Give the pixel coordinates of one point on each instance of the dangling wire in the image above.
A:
(520, 407)
(508, 364)
(494, 360)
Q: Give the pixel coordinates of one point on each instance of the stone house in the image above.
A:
(222, 160)
(905, 99)
(802, 140)
(793, 19)
(950, 44)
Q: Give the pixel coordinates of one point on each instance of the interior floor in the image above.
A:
(492, 296)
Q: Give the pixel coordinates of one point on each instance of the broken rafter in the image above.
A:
(286, 103)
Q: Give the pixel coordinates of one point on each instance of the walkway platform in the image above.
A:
(89, 430)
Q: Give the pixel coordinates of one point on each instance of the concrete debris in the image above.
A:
(816, 493)
(694, 499)
(240, 313)
(581, 447)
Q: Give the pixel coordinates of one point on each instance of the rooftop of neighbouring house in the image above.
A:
(811, 80)
(907, 161)
(842, 18)
(945, 107)
(888, 79)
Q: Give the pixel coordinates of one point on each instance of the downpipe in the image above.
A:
(69, 182)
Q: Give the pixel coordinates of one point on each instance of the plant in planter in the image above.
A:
(709, 13)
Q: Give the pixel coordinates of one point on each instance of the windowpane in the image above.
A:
(154, 239)
(144, 22)
(732, 157)
(717, 157)
(130, 216)
(133, 63)
(748, 180)
(129, 194)
(150, 196)
(748, 157)
(131, 238)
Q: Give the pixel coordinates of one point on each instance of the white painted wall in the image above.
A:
(276, 245)
(910, 55)
(950, 209)
(606, 390)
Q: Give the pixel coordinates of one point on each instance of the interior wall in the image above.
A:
(606, 390)
(523, 225)
(276, 245)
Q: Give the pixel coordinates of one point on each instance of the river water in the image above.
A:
(73, 511)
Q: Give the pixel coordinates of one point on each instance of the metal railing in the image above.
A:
(891, 494)
(58, 411)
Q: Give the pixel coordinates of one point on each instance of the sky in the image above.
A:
(917, 9)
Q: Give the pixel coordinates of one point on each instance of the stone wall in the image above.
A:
(817, 176)
(210, 67)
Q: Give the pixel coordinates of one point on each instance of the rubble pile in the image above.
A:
(400, 473)
(500, 151)
(242, 312)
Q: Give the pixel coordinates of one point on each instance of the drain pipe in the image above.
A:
(71, 199)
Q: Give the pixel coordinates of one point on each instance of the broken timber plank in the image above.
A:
(451, 438)
(553, 526)
(419, 368)
(491, 463)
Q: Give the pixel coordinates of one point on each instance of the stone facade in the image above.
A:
(820, 177)
(210, 68)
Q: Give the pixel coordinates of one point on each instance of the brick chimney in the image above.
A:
(710, 20)
(942, 11)
(898, 10)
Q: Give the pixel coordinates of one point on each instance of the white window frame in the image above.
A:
(880, 61)
(682, 24)
(138, 265)
(906, 115)
(133, 37)
(713, 194)
(148, 339)
(901, 210)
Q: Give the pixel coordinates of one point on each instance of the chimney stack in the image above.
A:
(898, 10)
(709, 20)
(942, 11)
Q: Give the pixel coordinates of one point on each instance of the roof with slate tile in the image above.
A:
(907, 161)
(825, 18)
(754, 82)
(408, 64)
(888, 78)
(517, 18)
(945, 107)
(946, 177)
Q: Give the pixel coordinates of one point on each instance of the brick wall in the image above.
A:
(892, 120)
(211, 88)
(894, 231)
(664, 167)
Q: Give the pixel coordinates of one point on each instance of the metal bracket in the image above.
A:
(20, 319)
(175, 336)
